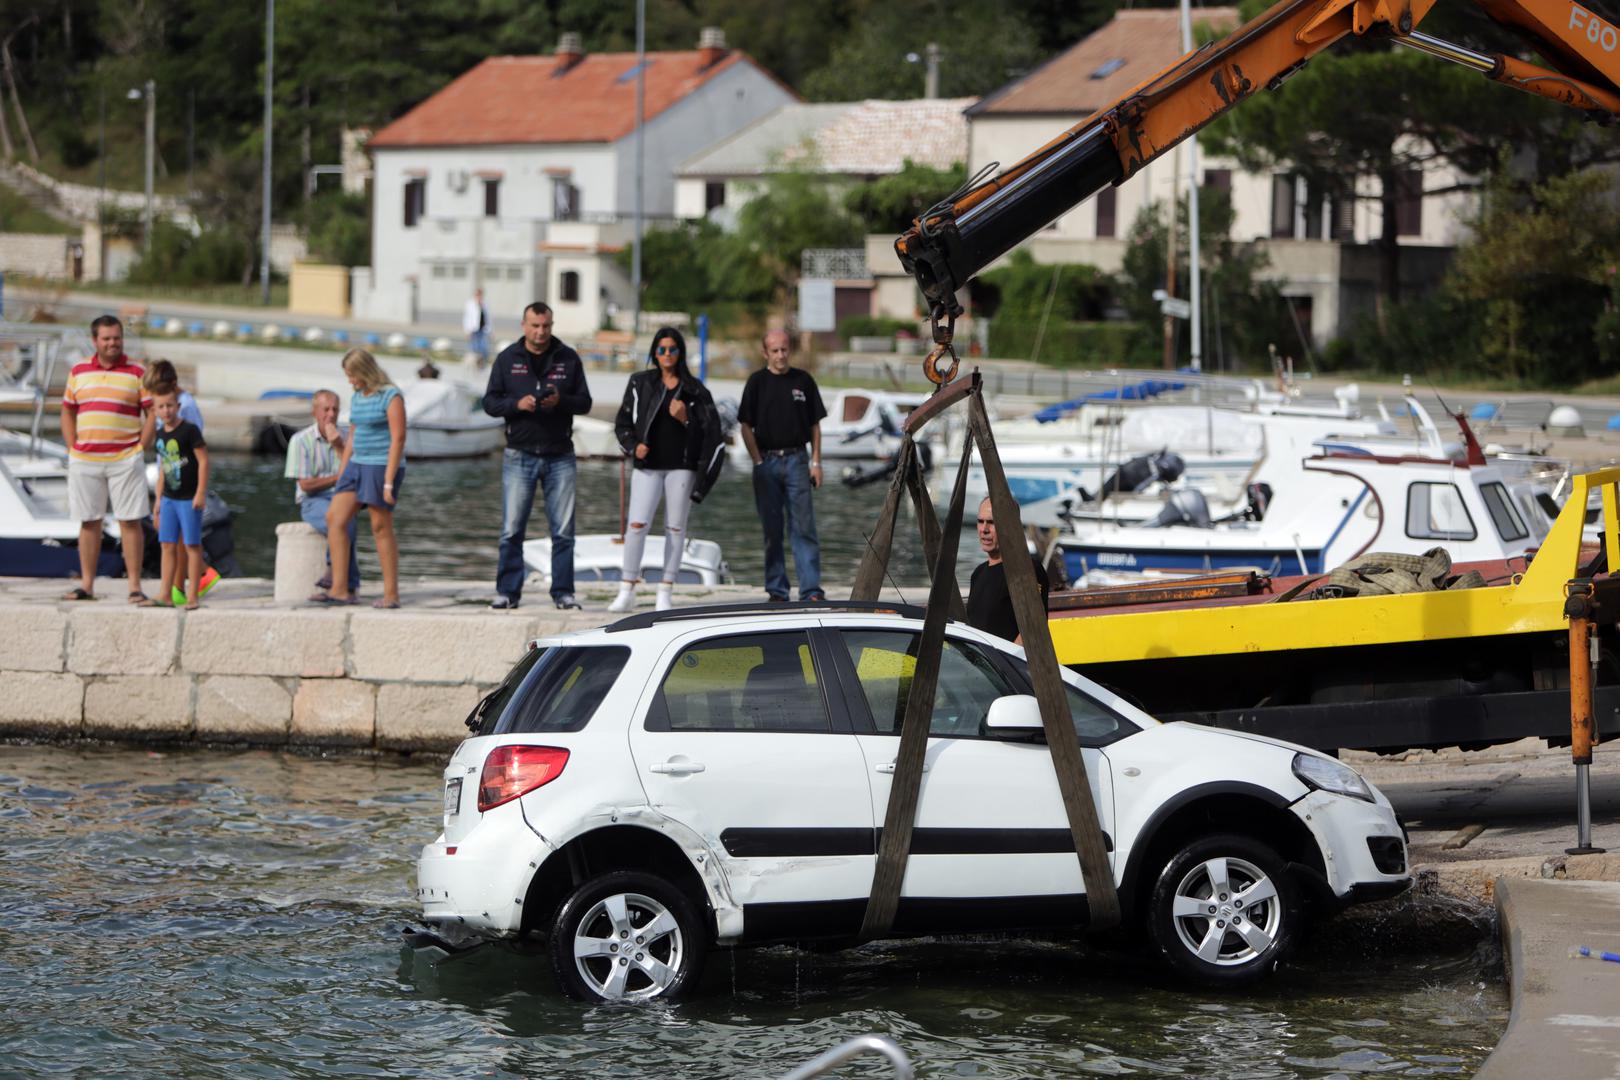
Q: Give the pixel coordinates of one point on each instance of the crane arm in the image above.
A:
(962, 235)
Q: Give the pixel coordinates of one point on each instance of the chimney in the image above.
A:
(711, 47)
(570, 51)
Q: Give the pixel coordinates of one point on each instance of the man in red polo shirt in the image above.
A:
(107, 420)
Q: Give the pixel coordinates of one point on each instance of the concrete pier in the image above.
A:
(245, 669)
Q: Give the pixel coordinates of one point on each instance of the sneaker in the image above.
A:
(625, 601)
(566, 602)
(816, 597)
(210, 578)
(778, 599)
(504, 603)
(666, 597)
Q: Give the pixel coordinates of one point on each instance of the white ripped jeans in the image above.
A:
(646, 485)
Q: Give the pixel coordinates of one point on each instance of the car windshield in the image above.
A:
(556, 689)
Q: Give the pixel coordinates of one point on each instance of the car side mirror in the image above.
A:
(1014, 715)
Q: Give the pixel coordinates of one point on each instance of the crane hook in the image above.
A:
(943, 348)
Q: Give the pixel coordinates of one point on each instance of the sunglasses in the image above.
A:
(666, 350)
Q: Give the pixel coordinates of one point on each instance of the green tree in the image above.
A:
(891, 203)
(337, 226)
(983, 44)
(1540, 269)
(696, 266)
(793, 210)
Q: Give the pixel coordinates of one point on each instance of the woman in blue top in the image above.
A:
(372, 470)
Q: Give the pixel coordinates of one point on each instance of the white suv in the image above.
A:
(702, 777)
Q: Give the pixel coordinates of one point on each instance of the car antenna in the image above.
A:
(892, 583)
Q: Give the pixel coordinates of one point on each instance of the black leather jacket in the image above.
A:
(705, 447)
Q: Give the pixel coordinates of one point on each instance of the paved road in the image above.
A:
(1523, 795)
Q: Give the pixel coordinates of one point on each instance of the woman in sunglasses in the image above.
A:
(669, 429)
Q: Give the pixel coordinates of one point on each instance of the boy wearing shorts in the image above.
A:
(182, 486)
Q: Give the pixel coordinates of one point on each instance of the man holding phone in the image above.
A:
(537, 385)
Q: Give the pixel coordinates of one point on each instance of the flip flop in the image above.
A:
(328, 598)
(140, 599)
(385, 605)
(193, 606)
(78, 594)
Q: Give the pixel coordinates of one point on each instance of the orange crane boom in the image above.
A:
(964, 234)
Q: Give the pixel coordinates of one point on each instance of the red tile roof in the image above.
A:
(1135, 45)
(524, 99)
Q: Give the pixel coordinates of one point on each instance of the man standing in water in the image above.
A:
(538, 385)
(781, 411)
(989, 606)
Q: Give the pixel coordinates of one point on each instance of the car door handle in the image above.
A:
(888, 767)
(678, 768)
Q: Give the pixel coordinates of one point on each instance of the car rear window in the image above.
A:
(560, 690)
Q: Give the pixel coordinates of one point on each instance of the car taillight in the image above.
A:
(510, 771)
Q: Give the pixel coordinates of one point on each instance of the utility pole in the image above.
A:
(931, 70)
(269, 84)
(151, 154)
(641, 109)
(1170, 266)
(1194, 271)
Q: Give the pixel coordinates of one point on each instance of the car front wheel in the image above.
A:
(627, 936)
(1224, 911)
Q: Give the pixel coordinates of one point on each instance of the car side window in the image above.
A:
(885, 662)
(564, 689)
(742, 682)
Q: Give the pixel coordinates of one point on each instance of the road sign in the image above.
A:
(1176, 309)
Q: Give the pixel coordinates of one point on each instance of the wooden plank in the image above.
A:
(923, 503)
(894, 846)
(1101, 898)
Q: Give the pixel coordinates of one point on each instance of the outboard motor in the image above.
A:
(1137, 473)
(1186, 507)
(1259, 502)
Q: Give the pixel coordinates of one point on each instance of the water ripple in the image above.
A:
(240, 914)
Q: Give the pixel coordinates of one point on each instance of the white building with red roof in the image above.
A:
(520, 177)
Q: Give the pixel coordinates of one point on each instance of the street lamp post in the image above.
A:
(150, 94)
(269, 84)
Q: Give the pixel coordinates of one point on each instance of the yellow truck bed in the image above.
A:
(1532, 603)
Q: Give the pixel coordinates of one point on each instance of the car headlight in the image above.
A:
(1325, 774)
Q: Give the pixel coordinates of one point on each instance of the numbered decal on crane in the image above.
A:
(1598, 32)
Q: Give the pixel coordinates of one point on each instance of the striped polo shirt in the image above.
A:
(107, 402)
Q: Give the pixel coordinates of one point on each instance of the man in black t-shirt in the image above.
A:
(989, 606)
(781, 411)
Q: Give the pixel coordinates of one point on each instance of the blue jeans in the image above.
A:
(313, 510)
(478, 344)
(782, 485)
(520, 471)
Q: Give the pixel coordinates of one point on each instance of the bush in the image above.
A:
(1067, 344)
(176, 257)
(338, 228)
(873, 326)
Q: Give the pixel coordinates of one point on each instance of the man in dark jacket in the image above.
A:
(537, 385)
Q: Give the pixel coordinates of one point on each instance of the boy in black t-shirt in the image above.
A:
(182, 487)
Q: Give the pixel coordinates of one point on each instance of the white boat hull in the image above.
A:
(600, 557)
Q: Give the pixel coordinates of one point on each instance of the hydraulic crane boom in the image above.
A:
(962, 235)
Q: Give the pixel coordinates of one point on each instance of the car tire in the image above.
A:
(1229, 936)
(627, 936)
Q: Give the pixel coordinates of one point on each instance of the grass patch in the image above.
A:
(18, 215)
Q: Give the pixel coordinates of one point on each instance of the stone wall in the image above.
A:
(42, 255)
(385, 680)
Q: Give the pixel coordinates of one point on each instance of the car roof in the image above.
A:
(653, 629)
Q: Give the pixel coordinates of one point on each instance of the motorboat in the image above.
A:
(38, 536)
(445, 419)
(600, 557)
(1340, 503)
